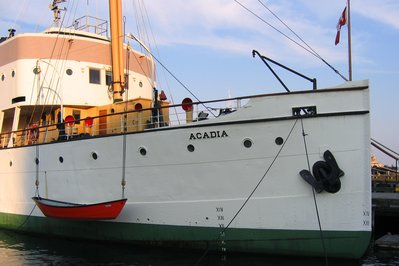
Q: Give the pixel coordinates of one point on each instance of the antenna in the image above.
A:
(57, 11)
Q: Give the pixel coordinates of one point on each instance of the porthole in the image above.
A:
(247, 143)
(36, 70)
(69, 72)
(279, 141)
(13, 73)
(190, 148)
(10, 163)
(143, 151)
(140, 84)
(61, 159)
(3, 77)
(36, 161)
(94, 155)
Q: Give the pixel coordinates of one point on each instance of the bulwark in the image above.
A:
(209, 135)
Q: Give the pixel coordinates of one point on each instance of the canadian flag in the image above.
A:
(341, 22)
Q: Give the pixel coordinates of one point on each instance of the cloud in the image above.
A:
(27, 15)
(223, 24)
(226, 26)
(382, 11)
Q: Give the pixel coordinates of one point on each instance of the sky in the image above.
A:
(208, 45)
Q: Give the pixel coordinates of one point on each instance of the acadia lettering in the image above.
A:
(209, 135)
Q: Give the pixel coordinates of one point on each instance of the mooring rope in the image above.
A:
(37, 161)
(36, 184)
(250, 195)
(314, 195)
(27, 218)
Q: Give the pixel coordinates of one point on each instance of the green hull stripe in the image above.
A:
(342, 244)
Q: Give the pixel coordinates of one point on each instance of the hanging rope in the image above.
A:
(37, 170)
(123, 181)
(314, 195)
(222, 233)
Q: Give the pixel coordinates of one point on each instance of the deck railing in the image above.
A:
(91, 24)
(129, 121)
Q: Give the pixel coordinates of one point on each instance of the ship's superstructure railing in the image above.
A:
(91, 24)
(133, 120)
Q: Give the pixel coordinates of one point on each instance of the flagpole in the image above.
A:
(349, 42)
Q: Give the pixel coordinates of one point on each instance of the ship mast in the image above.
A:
(349, 41)
(56, 11)
(118, 83)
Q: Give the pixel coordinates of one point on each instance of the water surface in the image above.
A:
(22, 249)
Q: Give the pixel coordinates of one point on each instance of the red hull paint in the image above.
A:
(65, 210)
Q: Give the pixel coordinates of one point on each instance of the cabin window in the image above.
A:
(2, 77)
(13, 73)
(279, 141)
(108, 77)
(69, 72)
(36, 70)
(143, 151)
(76, 115)
(247, 143)
(190, 148)
(94, 76)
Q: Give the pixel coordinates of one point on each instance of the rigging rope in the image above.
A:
(313, 52)
(314, 195)
(159, 56)
(22, 7)
(252, 192)
(50, 83)
(307, 48)
(184, 86)
(140, 19)
(54, 82)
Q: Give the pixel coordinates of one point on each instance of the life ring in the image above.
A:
(88, 121)
(33, 133)
(187, 104)
(70, 120)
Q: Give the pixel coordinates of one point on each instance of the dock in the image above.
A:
(385, 203)
(385, 207)
(388, 241)
(385, 199)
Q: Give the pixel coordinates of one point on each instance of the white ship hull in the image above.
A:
(188, 198)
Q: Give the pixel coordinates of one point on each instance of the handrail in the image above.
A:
(135, 120)
(116, 123)
(100, 26)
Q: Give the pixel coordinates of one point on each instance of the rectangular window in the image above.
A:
(94, 76)
(108, 77)
(76, 115)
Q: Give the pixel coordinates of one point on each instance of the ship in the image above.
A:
(82, 122)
